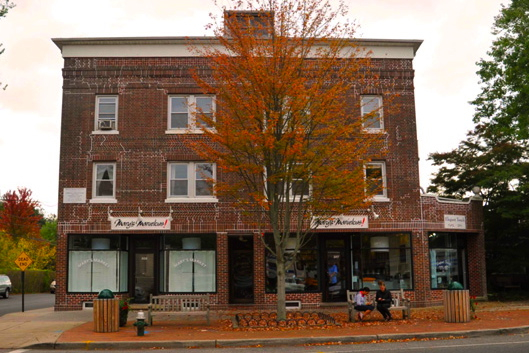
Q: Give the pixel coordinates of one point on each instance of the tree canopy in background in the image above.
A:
(286, 134)
(495, 154)
(24, 229)
(19, 217)
(5, 6)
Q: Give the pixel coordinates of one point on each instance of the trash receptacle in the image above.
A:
(106, 312)
(456, 304)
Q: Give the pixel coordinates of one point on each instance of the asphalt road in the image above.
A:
(13, 304)
(487, 344)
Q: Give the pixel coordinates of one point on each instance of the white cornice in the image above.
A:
(180, 47)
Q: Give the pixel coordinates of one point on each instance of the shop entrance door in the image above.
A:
(335, 263)
(144, 263)
(241, 269)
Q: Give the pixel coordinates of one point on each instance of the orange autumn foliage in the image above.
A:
(287, 135)
(18, 216)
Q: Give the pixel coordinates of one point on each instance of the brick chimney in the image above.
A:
(254, 23)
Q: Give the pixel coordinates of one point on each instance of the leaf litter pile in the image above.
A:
(298, 320)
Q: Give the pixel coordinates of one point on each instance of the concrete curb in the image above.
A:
(268, 342)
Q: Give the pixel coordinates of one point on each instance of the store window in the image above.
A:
(189, 263)
(97, 262)
(302, 275)
(382, 257)
(447, 259)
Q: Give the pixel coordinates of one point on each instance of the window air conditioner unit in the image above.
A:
(107, 125)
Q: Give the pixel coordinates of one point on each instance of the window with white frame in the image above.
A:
(297, 189)
(185, 112)
(106, 113)
(371, 107)
(104, 183)
(375, 173)
(191, 180)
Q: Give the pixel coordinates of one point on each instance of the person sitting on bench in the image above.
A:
(364, 308)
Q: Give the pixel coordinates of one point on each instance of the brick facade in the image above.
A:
(142, 149)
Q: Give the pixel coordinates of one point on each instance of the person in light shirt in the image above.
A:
(365, 308)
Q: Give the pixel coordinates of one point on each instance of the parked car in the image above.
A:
(5, 286)
(52, 287)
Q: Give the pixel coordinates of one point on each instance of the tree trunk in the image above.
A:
(281, 295)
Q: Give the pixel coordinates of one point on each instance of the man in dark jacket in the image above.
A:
(383, 300)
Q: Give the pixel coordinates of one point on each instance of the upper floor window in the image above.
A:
(106, 113)
(185, 112)
(298, 189)
(104, 183)
(191, 182)
(372, 112)
(375, 173)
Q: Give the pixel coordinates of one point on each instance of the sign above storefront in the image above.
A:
(340, 222)
(455, 221)
(140, 223)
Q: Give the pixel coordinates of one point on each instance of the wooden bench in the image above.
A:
(399, 302)
(190, 304)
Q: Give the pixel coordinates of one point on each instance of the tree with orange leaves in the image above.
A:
(287, 134)
(19, 217)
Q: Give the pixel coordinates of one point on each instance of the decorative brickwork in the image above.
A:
(141, 149)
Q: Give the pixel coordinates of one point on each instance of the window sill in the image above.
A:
(381, 199)
(192, 200)
(103, 200)
(183, 131)
(375, 131)
(105, 132)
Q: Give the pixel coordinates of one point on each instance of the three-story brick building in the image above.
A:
(135, 215)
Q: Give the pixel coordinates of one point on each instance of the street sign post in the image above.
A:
(23, 261)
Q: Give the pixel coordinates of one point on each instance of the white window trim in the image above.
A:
(103, 199)
(291, 198)
(384, 196)
(380, 112)
(97, 130)
(296, 198)
(191, 187)
(191, 111)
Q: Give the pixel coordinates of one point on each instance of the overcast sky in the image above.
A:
(456, 35)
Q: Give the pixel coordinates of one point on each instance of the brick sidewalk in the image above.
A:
(423, 321)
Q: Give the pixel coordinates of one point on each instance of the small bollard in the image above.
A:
(140, 323)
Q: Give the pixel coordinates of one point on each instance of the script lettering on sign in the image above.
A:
(340, 222)
(140, 223)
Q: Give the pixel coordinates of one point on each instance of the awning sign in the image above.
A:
(140, 223)
(340, 222)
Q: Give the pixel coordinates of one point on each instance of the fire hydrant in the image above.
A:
(140, 323)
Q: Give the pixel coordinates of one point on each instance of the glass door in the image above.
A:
(241, 270)
(144, 264)
(335, 263)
